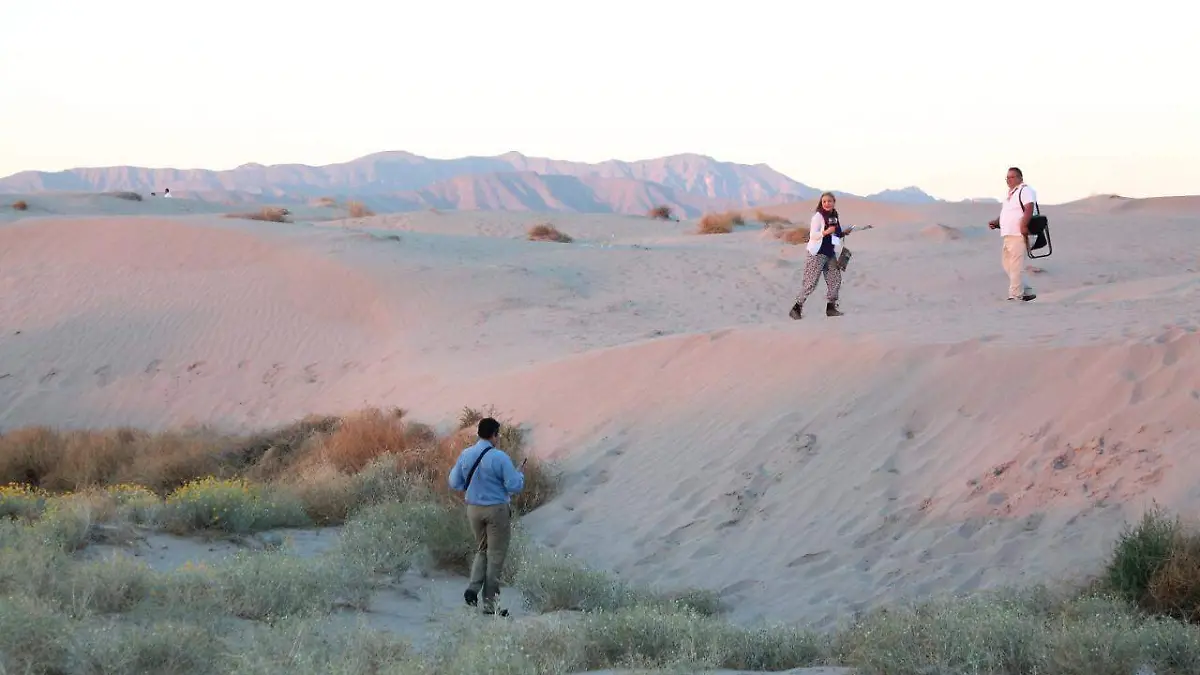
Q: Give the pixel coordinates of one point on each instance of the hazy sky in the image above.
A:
(849, 95)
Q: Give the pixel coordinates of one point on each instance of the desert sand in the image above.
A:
(936, 438)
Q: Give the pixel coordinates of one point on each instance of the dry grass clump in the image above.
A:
(126, 195)
(357, 209)
(719, 223)
(272, 214)
(789, 235)
(548, 232)
(550, 582)
(1156, 566)
(660, 213)
(324, 201)
(320, 467)
(768, 219)
(20, 205)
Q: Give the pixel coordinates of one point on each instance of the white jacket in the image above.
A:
(815, 227)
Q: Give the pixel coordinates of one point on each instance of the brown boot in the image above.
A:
(831, 309)
(797, 311)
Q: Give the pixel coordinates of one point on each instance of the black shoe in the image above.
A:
(490, 612)
(832, 310)
(796, 311)
(1028, 296)
(471, 597)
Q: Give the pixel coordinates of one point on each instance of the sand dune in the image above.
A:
(935, 438)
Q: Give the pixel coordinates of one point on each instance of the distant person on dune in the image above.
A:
(824, 244)
(167, 193)
(487, 475)
(1013, 223)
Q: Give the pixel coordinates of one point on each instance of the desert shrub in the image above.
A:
(979, 635)
(272, 214)
(33, 638)
(74, 460)
(306, 646)
(158, 646)
(40, 460)
(234, 506)
(636, 637)
(113, 584)
(360, 438)
(19, 500)
(437, 531)
(660, 213)
(358, 209)
(551, 582)
(719, 223)
(1140, 553)
(267, 585)
(20, 205)
(331, 496)
(548, 232)
(380, 540)
(770, 218)
(794, 235)
(126, 195)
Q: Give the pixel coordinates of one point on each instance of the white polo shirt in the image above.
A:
(1011, 209)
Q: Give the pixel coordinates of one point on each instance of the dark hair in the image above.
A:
(488, 428)
(822, 197)
(1019, 174)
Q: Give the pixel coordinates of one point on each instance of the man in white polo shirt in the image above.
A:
(1013, 223)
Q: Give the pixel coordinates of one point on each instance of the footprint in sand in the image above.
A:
(271, 376)
(152, 367)
(50, 375)
(195, 367)
(310, 374)
(103, 375)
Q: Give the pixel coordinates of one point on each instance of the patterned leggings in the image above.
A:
(812, 272)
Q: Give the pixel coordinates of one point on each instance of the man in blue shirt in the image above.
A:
(487, 475)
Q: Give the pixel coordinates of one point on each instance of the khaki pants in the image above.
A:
(490, 525)
(1013, 259)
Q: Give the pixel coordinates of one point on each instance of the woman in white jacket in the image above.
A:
(824, 244)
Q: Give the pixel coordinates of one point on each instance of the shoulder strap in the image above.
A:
(1036, 209)
(476, 466)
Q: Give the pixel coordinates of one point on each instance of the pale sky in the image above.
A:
(850, 95)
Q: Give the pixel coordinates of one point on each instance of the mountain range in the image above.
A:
(690, 184)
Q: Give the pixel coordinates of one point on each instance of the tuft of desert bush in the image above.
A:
(1155, 565)
(660, 213)
(20, 205)
(768, 219)
(318, 459)
(126, 195)
(548, 232)
(234, 506)
(790, 235)
(550, 582)
(357, 209)
(719, 223)
(272, 214)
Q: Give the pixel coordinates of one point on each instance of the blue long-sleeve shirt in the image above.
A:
(495, 479)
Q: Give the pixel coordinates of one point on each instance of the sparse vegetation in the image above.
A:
(383, 475)
(768, 219)
(719, 223)
(548, 232)
(357, 209)
(272, 214)
(789, 235)
(20, 205)
(660, 213)
(126, 195)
